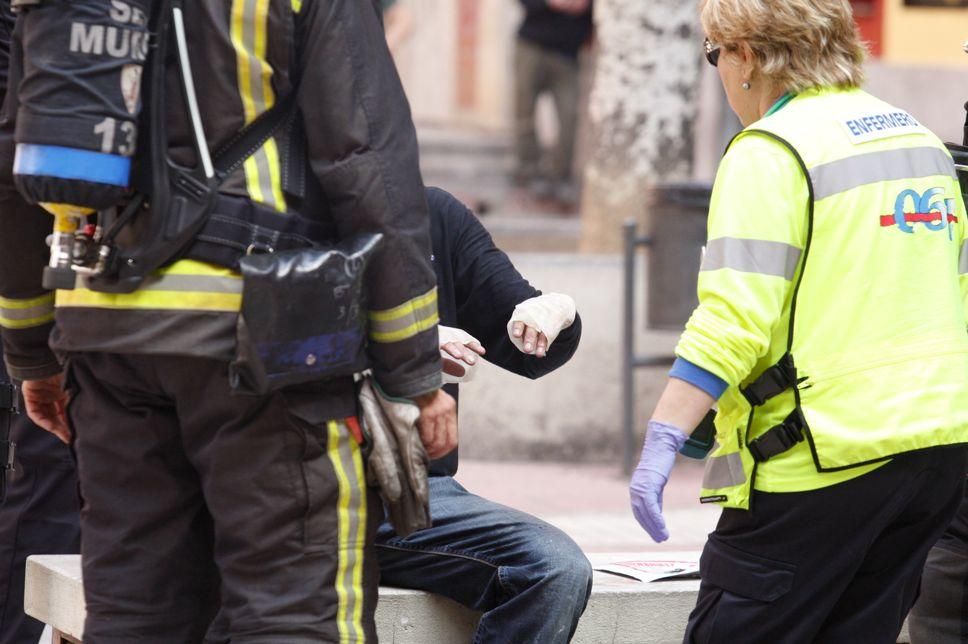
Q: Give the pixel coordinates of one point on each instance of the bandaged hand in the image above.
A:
(460, 351)
(536, 323)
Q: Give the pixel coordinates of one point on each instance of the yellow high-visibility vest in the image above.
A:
(847, 249)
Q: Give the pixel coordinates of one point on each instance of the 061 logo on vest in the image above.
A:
(932, 209)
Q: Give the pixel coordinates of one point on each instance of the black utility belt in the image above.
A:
(239, 227)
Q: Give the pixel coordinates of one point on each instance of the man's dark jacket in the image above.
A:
(478, 290)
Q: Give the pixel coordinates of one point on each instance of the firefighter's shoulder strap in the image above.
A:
(252, 137)
(236, 228)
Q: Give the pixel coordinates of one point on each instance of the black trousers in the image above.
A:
(940, 615)
(841, 564)
(39, 516)
(184, 485)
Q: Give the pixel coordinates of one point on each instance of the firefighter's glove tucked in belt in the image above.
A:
(397, 462)
(547, 314)
(662, 443)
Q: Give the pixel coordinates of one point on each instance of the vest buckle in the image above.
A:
(778, 439)
(772, 382)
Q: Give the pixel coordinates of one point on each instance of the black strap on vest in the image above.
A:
(252, 137)
(772, 382)
(778, 439)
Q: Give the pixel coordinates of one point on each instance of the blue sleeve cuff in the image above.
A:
(696, 375)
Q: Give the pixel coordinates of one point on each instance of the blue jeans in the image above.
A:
(528, 577)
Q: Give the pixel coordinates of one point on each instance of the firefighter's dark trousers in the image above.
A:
(841, 564)
(184, 485)
(39, 516)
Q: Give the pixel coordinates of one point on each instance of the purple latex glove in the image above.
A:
(662, 443)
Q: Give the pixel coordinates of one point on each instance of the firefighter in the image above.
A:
(200, 504)
(831, 331)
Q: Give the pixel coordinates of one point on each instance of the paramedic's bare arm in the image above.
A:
(363, 149)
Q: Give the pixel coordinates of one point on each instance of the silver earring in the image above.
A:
(746, 85)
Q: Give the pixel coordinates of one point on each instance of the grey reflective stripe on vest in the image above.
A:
(888, 165)
(187, 283)
(194, 284)
(723, 471)
(963, 260)
(751, 256)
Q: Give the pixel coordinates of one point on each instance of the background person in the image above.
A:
(546, 60)
(481, 554)
(826, 213)
(397, 24)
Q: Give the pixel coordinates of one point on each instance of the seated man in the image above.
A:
(481, 554)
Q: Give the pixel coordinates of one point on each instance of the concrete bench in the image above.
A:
(621, 611)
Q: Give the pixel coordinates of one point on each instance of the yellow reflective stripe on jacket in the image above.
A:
(351, 515)
(751, 256)
(249, 37)
(404, 321)
(963, 259)
(27, 313)
(186, 285)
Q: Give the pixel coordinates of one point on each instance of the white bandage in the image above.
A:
(549, 314)
(448, 334)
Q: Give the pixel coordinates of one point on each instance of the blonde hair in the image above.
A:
(797, 44)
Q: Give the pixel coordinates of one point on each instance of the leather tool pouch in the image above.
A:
(303, 316)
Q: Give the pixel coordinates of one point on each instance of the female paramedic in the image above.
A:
(830, 333)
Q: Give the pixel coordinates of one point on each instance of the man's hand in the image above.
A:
(571, 7)
(535, 323)
(46, 403)
(534, 342)
(437, 423)
(662, 442)
(460, 351)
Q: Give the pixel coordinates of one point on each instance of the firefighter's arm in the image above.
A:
(363, 150)
(26, 309)
(757, 233)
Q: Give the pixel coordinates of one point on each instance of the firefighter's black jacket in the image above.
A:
(361, 172)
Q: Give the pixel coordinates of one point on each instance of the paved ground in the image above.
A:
(590, 502)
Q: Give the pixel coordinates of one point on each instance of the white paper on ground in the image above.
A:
(655, 567)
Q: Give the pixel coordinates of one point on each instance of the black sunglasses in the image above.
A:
(712, 52)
